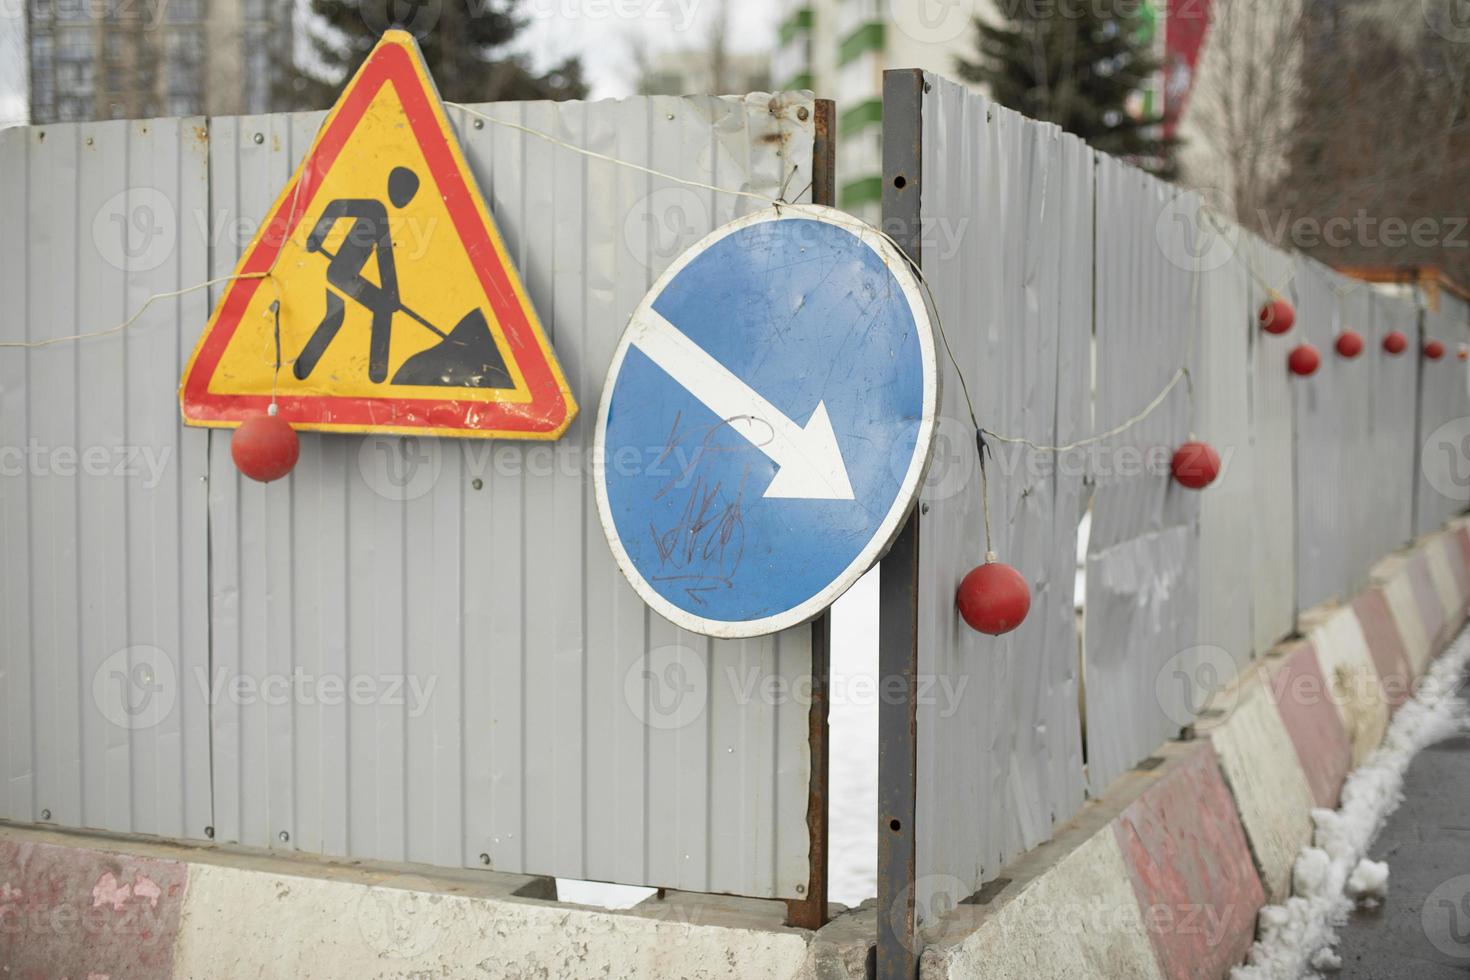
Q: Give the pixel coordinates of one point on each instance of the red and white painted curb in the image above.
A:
(1210, 834)
(80, 907)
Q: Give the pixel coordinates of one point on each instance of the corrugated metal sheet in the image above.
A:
(1222, 406)
(1334, 436)
(514, 699)
(102, 493)
(1142, 558)
(1007, 212)
(1373, 405)
(1443, 481)
(1273, 504)
(1393, 454)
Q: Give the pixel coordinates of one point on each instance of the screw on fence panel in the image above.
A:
(810, 912)
(898, 581)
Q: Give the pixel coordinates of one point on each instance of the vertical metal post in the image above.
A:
(811, 912)
(1417, 351)
(898, 582)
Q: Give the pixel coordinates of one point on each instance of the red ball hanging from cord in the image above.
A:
(1434, 350)
(1349, 344)
(1195, 465)
(993, 598)
(1395, 342)
(1277, 316)
(265, 447)
(1304, 360)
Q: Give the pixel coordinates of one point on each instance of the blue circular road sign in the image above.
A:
(766, 421)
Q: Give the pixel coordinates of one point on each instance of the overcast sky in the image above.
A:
(604, 32)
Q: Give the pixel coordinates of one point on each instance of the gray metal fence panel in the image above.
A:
(1334, 431)
(1142, 604)
(1007, 228)
(1368, 536)
(1394, 453)
(519, 707)
(1222, 406)
(1273, 508)
(1442, 485)
(102, 499)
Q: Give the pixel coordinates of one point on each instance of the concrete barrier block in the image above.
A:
(78, 906)
(1080, 918)
(1353, 684)
(1457, 551)
(1436, 554)
(1461, 532)
(1426, 597)
(325, 927)
(1385, 645)
(1303, 697)
(70, 912)
(1271, 791)
(1191, 868)
(1404, 605)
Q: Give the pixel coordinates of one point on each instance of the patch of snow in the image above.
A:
(600, 894)
(1369, 880)
(1296, 938)
(1326, 960)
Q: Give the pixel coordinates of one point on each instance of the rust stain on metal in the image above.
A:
(810, 912)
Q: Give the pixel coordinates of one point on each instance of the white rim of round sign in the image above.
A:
(898, 266)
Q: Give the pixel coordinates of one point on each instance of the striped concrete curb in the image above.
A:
(83, 906)
(1191, 868)
(1208, 832)
(1323, 746)
(65, 914)
(1153, 880)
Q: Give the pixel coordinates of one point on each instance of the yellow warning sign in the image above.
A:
(378, 296)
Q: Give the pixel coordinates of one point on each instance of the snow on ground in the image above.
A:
(1297, 939)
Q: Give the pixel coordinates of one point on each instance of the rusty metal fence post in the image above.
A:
(811, 912)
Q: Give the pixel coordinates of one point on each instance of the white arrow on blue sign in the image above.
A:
(766, 422)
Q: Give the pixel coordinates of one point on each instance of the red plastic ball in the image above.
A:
(1195, 465)
(1349, 344)
(993, 598)
(1395, 342)
(265, 447)
(1304, 360)
(1277, 316)
(1434, 350)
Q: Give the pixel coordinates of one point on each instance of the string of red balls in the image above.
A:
(994, 598)
(1278, 316)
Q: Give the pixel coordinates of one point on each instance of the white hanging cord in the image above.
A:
(1182, 373)
(610, 159)
(1179, 375)
(1242, 250)
(119, 328)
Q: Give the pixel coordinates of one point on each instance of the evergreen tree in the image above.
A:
(1074, 64)
(466, 44)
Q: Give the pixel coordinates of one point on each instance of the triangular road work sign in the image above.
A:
(378, 295)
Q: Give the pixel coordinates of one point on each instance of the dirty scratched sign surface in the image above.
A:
(766, 421)
(378, 296)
